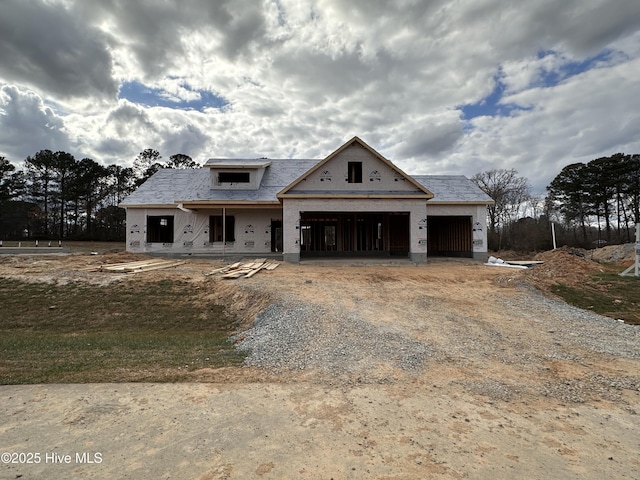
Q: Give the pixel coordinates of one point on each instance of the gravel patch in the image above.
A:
(494, 389)
(342, 345)
(298, 336)
(579, 390)
(571, 326)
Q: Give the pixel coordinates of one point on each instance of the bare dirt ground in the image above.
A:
(514, 385)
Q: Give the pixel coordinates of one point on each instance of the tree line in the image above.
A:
(55, 196)
(591, 204)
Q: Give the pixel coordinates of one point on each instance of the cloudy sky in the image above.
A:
(436, 86)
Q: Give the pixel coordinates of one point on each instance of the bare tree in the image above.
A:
(507, 190)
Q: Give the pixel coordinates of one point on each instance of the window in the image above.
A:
(234, 177)
(354, 172)
(160, 229)
(216, 232)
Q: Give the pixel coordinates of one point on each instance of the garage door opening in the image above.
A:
(449, 236)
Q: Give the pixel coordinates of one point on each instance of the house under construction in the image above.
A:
(352, 203)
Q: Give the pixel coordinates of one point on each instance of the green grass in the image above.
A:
(608, 294)
(133, 331)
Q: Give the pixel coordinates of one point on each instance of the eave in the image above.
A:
(148, 205)
(350, 196)
(205, 204)
(230, 164)
(460, 202)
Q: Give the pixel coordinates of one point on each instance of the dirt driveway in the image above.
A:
(489, 380)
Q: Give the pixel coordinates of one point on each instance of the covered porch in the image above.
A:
(353, 234)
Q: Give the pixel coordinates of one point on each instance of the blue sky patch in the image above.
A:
(139, 93)
(571, 69)
(491, 106)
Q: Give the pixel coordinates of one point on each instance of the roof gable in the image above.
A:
(374, 175)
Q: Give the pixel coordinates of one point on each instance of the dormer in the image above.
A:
(227, 174)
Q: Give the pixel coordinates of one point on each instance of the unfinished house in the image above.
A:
(353, 203)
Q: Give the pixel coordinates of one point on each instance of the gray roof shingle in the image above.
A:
(452, 188)
(169, 186)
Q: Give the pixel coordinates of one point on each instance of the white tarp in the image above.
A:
(498, 262)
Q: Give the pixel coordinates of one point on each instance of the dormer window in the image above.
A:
(234, 177)
(236, 174)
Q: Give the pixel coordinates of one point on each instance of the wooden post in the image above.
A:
(553, 234)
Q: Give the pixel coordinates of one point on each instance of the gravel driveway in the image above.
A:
(447, 371)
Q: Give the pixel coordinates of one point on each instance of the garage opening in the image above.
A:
(449, 236)
(342, 234)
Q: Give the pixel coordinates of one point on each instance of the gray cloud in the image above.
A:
(156, 33)
(45, 46)
(430, 140)
(27, 125)
(188, 138)
(302, 76)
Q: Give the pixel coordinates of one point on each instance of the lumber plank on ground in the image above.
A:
(236, 273)
(141, 266)
(103, 266)
(255, 270)
(156, 267)
(218, 270)
(256, 263)
(128, 266)
(244, 269)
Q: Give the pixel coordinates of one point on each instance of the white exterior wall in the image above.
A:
(478, 214)
(253, 227)
(191, 231)
(417, 220)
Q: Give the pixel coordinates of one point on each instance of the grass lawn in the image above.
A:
(607, 294)
(131, 331)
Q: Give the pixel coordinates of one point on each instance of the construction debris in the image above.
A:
(246, 269)
(498, 262)
(139, 266)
